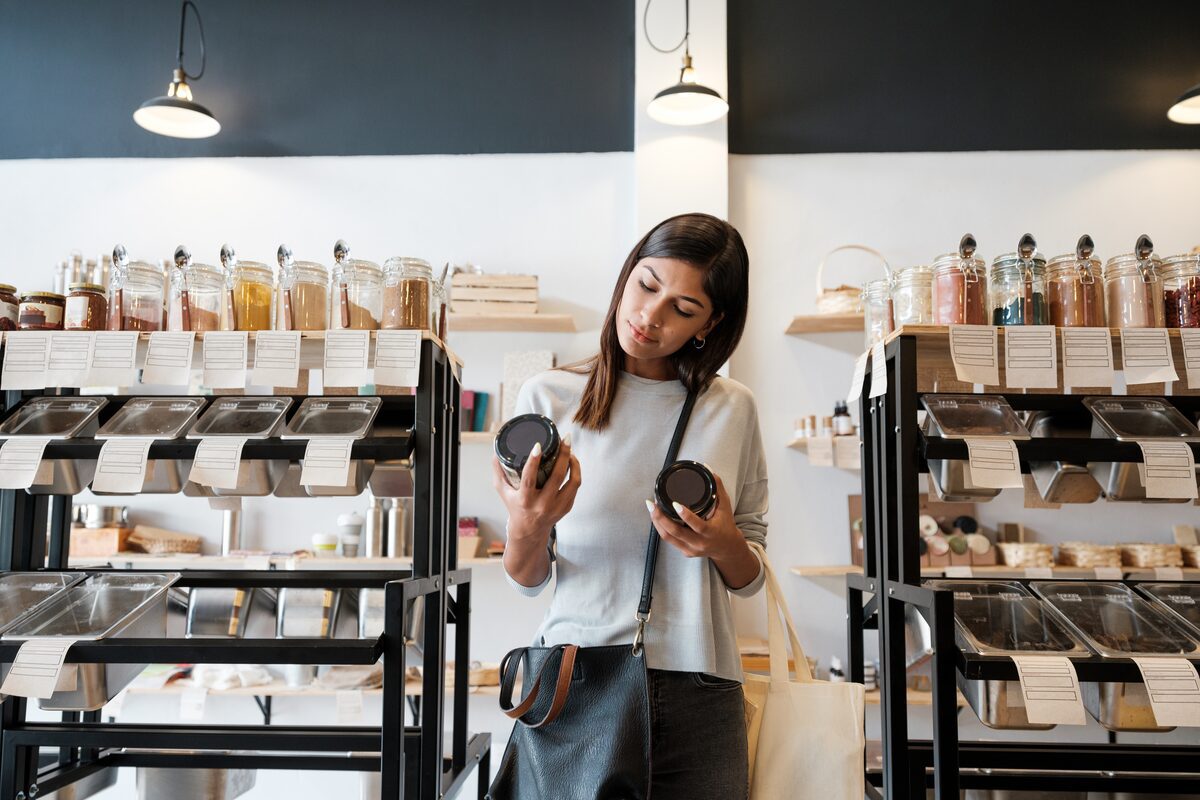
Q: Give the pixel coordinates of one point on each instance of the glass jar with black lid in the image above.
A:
(517, 438)
(688, 483)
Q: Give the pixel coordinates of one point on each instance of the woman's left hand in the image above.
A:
(716, 536)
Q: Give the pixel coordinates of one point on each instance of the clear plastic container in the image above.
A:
(54, 417)
(1181, 291)
(1075, 292)
(253, 287)
(1004, 618)
(1018, 290)
(23, 592)
(1180, 600)
(135, 297)
(356, 296)
(877, 310)
(959, 416)
(1129, 419)
(251, 417)
(303, 297)
(1134, 288)
(407, 294)
(912, 296)
(197, 298)
(152, 417)
(332, 416)
(1114, 621)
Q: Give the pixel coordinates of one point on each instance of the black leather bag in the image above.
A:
(583, 724)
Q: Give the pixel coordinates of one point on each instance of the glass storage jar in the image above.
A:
(877, 310)
(1134, 288)
(959, 290)
(912, 296)
(253, 288)
(1181, 291)
(9, 306)
(1075, 291)
(303, 297)
(1018, 290)
(135, 297)
(356, 296)
(86, 308)
(197, 298)
(41, 311)
(407, 293)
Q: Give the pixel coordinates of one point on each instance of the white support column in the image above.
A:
(679, 169)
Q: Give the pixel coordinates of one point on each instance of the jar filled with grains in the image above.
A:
(1075, 285)
(86, 308)
(877, 310)
(1181, 295)
(356, 297)
(959, 290)
(407, 292)
(1018, 287)
(912, 299)
(1133, 285)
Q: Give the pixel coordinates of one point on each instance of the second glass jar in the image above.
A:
(912, 299)
(1018, 290)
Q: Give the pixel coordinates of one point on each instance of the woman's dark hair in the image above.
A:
(709, 244)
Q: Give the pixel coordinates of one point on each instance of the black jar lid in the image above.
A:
(518, 436)
(688, 483)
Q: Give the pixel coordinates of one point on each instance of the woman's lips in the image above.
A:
(638, 335)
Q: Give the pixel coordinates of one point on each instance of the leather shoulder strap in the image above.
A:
(652, 545)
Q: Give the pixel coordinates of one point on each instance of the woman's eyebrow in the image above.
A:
(650, 269)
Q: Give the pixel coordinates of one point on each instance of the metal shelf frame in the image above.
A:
(410, 759)
(894, 456)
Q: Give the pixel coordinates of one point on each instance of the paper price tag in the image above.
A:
(276, 358)
(349, 706)
(1050, 690)
(225, 359)
(1190, 337)
(1087, 357)
(975, 353)
(1146, 356)
(19, 461)
(958, 571)
(121, 468)
(1030, 357)
(860, 374)
(1168, 573)
(820, 451)
(1168, 470)
(346, 354)
(217, 461)
(994, 463)
(169, 358)
(1174, 689)
(69, 359)
(192, 702)
(25, 357)
(879, 377)
(326, 461)
(35, 671)
(397, 358)
(114, 359)
(1039, 573)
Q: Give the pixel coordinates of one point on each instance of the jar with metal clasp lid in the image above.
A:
(1017, 286)
(1133, 285)
(1075, 286)
(960, 286)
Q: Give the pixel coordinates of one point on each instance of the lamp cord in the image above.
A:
(687, 24)
(199, 24)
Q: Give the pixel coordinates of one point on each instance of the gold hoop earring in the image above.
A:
(698, 344)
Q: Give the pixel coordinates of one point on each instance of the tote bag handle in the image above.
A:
(776, 607)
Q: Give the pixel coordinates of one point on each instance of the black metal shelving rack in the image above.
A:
(893, 459)
(423, 427)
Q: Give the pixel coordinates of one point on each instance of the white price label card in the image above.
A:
(114, 359)
(35, 671)
(397, 358)
(276, 358)
(878, 371)
(69, 359)
(1030, 357)
(1146, 356)
(846, 452)
(1039, 573)
(121, 467)
(225, 359)
(975, 353)
(349, 706)
(994, 463)
(1087, 357)
(856, 380)
(1168, 573)
(169, 358)
(958, 571)
(1050, 690)
(820, 451)
(326, 461)
(25, 357)
(192, 701)
(217, 461)
(1190, 338)
(1109, 573)
(1174, 689)
(346, 355)
(1168, 470)
(258, 563)
(20, 458)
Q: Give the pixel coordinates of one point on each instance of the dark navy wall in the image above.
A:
(355, 77)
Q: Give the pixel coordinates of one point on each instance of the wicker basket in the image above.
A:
(844, 299)
(1087, 554)
(1191, 555)
(1026, 554)
(1149, 555)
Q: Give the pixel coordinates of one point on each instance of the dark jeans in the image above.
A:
(697, 737)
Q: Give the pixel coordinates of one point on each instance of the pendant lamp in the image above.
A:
(686, 102)
(176, 113)
(1186, 110)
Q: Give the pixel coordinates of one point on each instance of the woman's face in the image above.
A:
(663, 308)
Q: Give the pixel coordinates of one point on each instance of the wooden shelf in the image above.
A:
(476, 437)
(531, 323)
(799, 444)
(825, 323)
(198, 561)
(916, 697)
(820, 571)
(996, 571)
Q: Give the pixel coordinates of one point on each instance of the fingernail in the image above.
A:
(566, 440)
(536, 451)
(678, 508)
(650, 506)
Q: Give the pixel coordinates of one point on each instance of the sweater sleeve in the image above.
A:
(750, 514)
(527, 403)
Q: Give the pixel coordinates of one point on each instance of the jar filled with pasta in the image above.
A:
(1075, 287)
(1133, 285)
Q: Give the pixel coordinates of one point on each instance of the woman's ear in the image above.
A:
(708, 326)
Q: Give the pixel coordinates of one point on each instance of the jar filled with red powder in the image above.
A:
(1181, 290)
(1075, 288)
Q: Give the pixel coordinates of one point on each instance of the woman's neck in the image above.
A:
(654, 369)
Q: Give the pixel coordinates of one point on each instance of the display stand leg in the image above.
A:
(393, 767)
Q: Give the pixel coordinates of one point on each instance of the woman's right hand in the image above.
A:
(533, 512)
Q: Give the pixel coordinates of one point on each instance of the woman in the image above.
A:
(676, 315)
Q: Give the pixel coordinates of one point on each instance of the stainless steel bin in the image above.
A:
(57, 418)
(156, 418)
(250, 418)
(1129, 419)
(162, 783)
(955, 416)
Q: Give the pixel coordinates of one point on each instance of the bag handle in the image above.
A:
(562, 684)
(776, 607)
(821, 267)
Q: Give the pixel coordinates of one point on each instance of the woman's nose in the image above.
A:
(652, 314)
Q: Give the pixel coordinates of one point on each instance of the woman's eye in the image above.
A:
(642, 283)
(683, 313)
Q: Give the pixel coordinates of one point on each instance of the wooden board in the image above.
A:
(498, 308)
(531, 323)
(998, 571)
(825, 323)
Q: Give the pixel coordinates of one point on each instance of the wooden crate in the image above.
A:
(494, 294)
